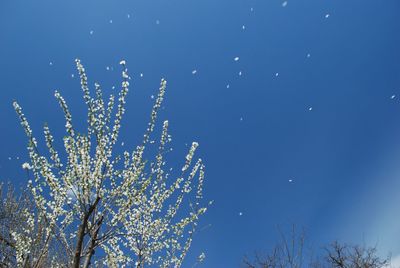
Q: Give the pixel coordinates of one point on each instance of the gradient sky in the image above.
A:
(309, 133)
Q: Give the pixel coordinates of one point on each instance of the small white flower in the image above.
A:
(26, 166)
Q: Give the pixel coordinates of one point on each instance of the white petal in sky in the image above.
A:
(129, 16)
(276, 74)
(327, 16)
(240, 213)
(393, 96)
(26, 166)
(51, 63)
(290, 180)
(310, 109)
(194, 71)
(243, 27)
(141, 74)
(91, 32)
(236, 58)
(227, 86)
(308, 55)
(240, 73)
(284, 3)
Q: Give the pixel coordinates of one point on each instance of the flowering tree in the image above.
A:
(10, 209)
(110, 210)
(14, 220)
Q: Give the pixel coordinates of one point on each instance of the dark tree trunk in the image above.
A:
(81, 235)
(92, 244)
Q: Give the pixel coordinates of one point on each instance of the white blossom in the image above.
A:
(26, 166)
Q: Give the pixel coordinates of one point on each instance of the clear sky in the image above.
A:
(296, 105)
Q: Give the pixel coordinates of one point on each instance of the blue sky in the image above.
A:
(303, 128)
